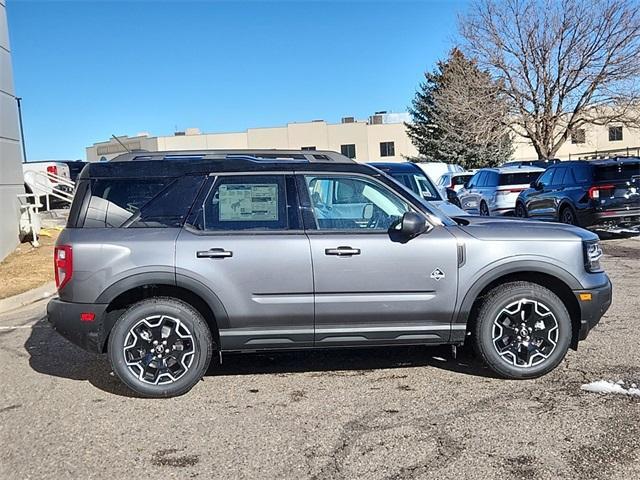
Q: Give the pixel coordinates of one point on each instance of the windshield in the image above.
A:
(418, 183)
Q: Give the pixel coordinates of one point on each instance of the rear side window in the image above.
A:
(581, 173)
(491, 179)
(480, 179)
(252, 202)
(518, 178)
(622, 171)
(141, 203)
(558, 177)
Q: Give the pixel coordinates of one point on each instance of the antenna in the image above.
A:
(123, 145)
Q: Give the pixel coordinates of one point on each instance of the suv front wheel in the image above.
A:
(523, 330)
(160, 347)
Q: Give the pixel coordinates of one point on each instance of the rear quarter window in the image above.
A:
(140, 202)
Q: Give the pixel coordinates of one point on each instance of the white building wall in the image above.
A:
(11, 181)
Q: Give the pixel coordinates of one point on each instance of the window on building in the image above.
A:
(387, 149)
(578, 136)
(309, 148)
(348, 150)
(615, 134)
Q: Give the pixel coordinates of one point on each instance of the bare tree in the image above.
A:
(561, 64)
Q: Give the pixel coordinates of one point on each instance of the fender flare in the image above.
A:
(566, 203)
(170, 279)
(516, 266)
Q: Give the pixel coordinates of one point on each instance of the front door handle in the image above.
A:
(214, 253)
(342, 251)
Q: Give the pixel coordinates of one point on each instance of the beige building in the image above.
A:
(11, 180)
(590, 141)
(380, 138)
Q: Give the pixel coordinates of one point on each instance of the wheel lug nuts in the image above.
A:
(155, 342)
(164, 342)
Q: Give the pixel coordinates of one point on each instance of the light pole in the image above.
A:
(24, 148)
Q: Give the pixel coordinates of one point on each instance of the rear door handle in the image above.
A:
(214, 253)
(342, 251)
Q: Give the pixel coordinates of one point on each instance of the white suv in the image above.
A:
(493, 191)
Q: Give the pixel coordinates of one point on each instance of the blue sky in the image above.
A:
(86, 70)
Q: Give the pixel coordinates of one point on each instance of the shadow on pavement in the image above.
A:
(354, 359)
(50, 354)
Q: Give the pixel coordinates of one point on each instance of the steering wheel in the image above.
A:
(378, 218)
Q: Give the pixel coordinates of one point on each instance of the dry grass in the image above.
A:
(28, 267)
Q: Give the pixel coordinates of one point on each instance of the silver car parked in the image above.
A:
(494, 191)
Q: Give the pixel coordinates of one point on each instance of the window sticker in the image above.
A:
(248, 202)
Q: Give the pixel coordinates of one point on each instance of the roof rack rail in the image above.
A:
(311, 156)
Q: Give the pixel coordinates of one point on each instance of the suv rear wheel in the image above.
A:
(160, 347)
(523, 330)
(568, 216)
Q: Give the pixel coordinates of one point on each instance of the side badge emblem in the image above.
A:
(437, 275)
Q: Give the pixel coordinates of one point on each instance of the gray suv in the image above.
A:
(171, 257)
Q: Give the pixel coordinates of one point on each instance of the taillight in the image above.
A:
(594, 192)
(63, 265)
(53, 169)
(507, 191)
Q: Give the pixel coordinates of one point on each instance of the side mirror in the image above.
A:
(452, 196)
(537, 185)
(409, 226)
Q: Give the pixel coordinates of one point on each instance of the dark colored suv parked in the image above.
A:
(171, 257)
(595, 193)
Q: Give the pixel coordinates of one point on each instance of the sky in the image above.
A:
(87, 70)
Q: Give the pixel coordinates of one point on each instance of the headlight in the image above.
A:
(592, 255)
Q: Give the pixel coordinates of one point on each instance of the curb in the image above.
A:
(11, 303)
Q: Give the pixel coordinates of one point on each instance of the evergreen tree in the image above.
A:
(459, 116)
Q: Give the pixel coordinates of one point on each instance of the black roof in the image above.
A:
(602, 161)
(174, 164)
(396, 167)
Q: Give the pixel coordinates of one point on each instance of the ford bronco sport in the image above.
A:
(170, 257)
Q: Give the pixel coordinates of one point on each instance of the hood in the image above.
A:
(509, 228)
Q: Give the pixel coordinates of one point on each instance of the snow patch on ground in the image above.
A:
(607, 386)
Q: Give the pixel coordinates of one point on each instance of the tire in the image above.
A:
(521, 211)
(182, 357)
(496, 342)
(568, 215)
(484, 210)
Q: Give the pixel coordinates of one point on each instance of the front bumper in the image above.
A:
(65, 319)
(591, 311)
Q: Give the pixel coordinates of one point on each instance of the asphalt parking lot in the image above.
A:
(401, 413)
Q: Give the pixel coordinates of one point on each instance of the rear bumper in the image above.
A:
(65, 319)
(613, 217)
(591, 311)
